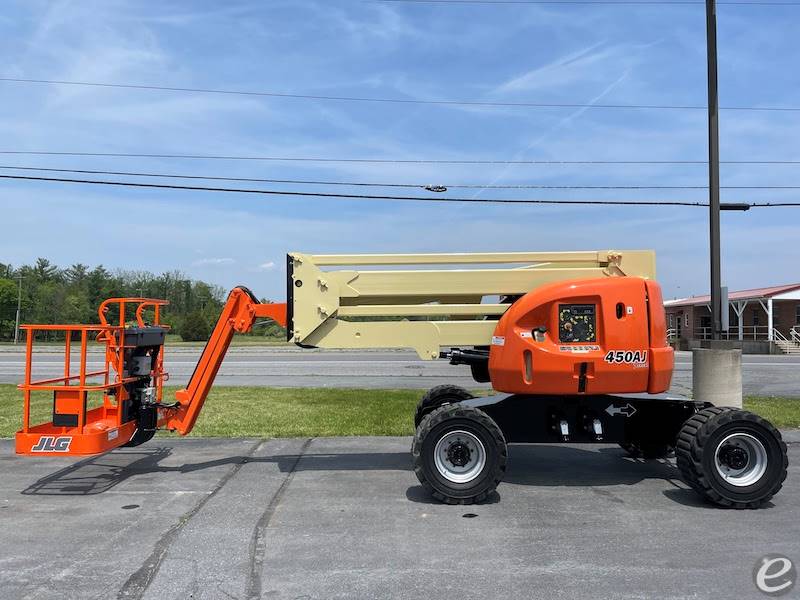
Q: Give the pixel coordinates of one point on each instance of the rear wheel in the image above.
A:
(439, 396)
(459, 454)
(732, 457)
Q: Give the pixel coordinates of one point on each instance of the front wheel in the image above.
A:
(459, 454)
(732, 457)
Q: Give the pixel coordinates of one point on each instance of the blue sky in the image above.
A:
(512, 53)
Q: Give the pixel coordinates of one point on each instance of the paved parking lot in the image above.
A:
(345, 518)
(294, 367)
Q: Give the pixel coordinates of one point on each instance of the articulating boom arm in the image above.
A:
(238, 316)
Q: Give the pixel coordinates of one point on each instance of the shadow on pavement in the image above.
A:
(543, 465)
(531, 465)
(98, 474)
(417, 493)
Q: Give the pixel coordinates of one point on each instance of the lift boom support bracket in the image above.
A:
(239, 314)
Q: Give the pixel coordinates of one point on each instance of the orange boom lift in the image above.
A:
(576, 350)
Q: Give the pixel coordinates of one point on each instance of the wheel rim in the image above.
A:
(459, 456)
(741, 459)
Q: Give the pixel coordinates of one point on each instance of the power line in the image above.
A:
(522, 186)
(382, 197)
(413, 161)
(354, 196)
(397, 100)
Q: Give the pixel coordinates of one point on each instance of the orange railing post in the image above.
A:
(67, 340)
(82, 404)
(26, 409)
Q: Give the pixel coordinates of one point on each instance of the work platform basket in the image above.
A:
(92, 408)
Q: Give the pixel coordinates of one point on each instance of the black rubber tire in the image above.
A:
(439, 396)
(648, 450)
(139, 437)
(697, 443)
(457, 417)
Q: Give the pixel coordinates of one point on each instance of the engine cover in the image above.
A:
(595, 336)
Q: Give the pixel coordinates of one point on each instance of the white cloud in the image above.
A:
(267, 266)
(212, 262)
(564, 70)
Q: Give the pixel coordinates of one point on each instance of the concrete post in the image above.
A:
(717, 376)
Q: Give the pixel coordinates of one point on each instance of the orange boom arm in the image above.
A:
(238, 316)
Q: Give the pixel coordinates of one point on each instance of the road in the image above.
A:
(294, 367)
(345, 518)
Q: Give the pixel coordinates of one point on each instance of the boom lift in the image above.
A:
(573, 343)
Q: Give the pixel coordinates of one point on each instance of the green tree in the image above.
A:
(97, 285)
(195, 327)
(8, 307)
(8, 296)
(72, 295)
(77, 273)
(76, 309)
(43, 270)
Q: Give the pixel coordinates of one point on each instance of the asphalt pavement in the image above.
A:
(345, 518)
(294, 367)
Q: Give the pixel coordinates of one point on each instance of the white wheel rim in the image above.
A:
(741, 459)
(459, 456)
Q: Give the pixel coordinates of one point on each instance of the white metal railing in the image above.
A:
(672, 335)
(778, 336)
(749, 332)
(790, 345)
(794, 336)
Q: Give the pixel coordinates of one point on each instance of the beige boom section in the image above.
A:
(429, 301)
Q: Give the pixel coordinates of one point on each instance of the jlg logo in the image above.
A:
(48, 443)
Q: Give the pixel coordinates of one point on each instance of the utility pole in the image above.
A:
(19, 308)
(716, 372)
(713, 170)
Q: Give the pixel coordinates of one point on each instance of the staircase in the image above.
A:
(790, 345)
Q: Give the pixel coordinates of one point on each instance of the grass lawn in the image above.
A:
(781, 412)
(268, 412)
(318, 412)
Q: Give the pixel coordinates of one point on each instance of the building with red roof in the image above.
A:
(769, 315)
